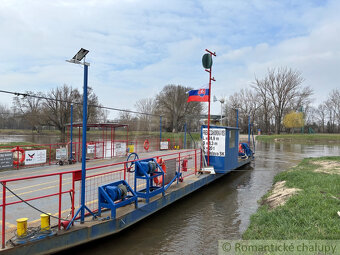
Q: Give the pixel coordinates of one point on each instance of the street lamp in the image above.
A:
(77, 59)
(222, 102)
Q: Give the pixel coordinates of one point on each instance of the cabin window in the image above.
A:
(232, 137)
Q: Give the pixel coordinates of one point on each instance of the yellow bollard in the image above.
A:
(22, 227)
(45, 221)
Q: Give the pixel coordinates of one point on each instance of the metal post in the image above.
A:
(185, 135)
(71, 132)
(237, 118)
(209, 99)
(221, 113)
(82, 207)
(249, 130)
(209, 116)
(160, 128)
(3, 237)
(60, 194)
(83, 152)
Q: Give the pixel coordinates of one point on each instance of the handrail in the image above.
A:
(173, 155)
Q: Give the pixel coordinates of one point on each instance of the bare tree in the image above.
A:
(246, 101)
(171, 102)
(261, 86)
(283, 86)
(321, 115)
(128, 119)
(147, 106)
(57, 109)
(30, 108)
(333, 106)
(94, 113)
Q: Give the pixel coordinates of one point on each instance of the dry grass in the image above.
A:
(279, 195)
(328, 167)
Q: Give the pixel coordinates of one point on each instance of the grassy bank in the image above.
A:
(310, 212)
(301, 138)
(16, 144)
(28, 132)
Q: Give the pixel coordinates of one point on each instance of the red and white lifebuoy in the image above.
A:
(146, 144)
(22, 159)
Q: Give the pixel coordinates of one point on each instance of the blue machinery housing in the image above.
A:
(224, 157)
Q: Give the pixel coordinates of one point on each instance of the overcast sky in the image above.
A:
(138, 47)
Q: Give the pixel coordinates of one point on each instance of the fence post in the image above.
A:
(201, 152)
(179, 159)
(73, 193)
(195, 162)
(18, 160)
(49, 162)
(60, 191)
(3, 213)
(124, 172)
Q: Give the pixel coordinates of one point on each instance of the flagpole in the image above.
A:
(210, 79)
(209, 115)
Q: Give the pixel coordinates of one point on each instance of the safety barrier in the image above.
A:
(62, 190)
(50, 154)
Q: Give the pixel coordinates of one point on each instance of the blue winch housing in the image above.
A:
(148, 170)
(115, 195)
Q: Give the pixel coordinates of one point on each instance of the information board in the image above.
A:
(6, 160)
(90, 148)
(164, 145)
(33, 157)
(61, 153)
(119, 149)
(217, 141)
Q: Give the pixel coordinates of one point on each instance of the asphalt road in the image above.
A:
(31, 188)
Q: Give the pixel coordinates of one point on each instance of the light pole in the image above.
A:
(71, 135)
(77, 60)
(222, 102)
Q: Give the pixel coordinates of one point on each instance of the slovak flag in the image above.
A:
(198, 95)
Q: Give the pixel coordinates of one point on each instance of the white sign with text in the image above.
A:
(61, 153)
(164, 145)
(119, 148)
(217, 141)
(90, 148)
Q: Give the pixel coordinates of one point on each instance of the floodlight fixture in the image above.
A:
(81, 54)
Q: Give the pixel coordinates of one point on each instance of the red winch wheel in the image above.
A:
(22, 159)
(146, 144)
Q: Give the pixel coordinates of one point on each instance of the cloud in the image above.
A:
(137, 47)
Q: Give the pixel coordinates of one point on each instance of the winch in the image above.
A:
(115, 195)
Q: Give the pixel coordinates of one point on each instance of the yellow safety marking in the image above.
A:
(50, 168)
(8, 224)
(40, 184)
(49, 187)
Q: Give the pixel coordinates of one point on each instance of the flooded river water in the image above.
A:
(220, 210)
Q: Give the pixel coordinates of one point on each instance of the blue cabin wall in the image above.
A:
(228, 161)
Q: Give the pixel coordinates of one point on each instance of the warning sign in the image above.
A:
(90, 148)
(217, 141)
(6, 160)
